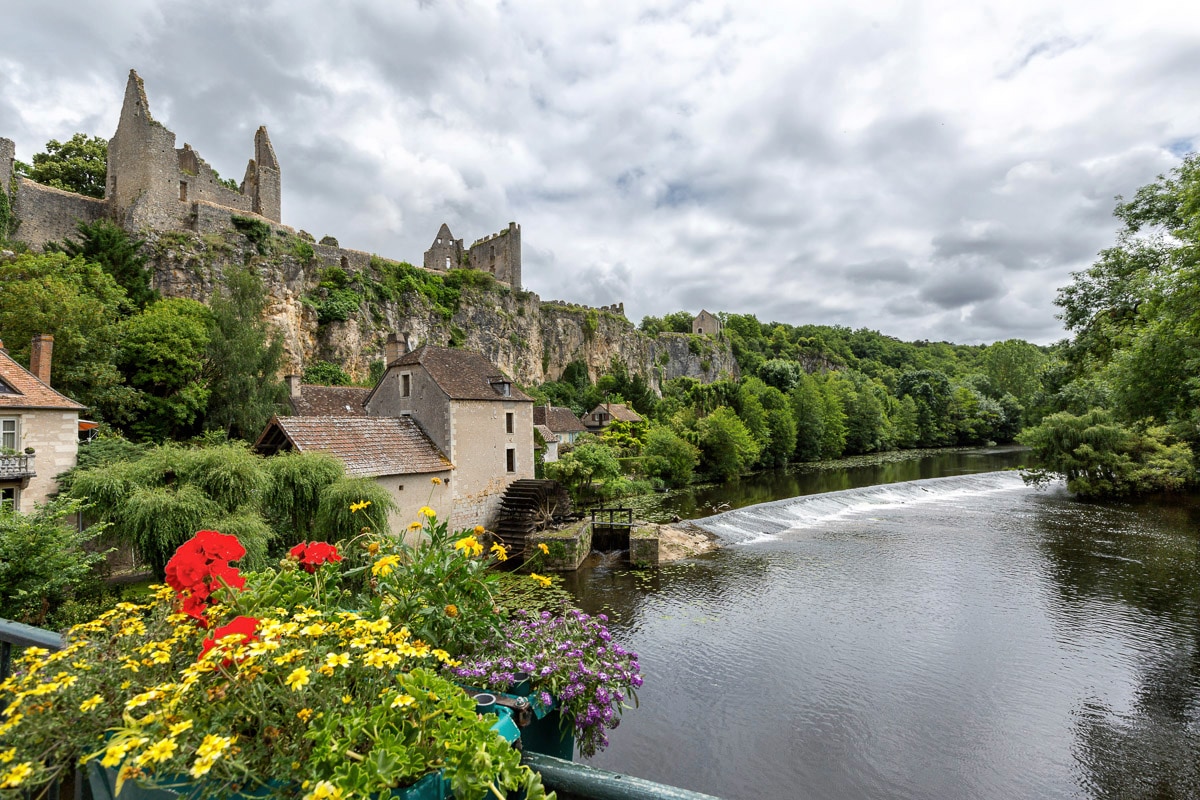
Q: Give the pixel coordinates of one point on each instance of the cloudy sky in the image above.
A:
(932, 170)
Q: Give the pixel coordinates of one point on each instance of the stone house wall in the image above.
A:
(411, 492)
(479, 445)
(54, 436)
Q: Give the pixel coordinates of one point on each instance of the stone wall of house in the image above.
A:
(411, 492)
(426, 403)
(479, 452)
(54, 436)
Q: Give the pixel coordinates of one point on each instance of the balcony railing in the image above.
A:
(16, 468)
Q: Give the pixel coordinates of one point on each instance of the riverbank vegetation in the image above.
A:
(1126, 387)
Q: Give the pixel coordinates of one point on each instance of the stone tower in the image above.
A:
(500, 254)
(262, 182)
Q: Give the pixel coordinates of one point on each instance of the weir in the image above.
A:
(767, 521)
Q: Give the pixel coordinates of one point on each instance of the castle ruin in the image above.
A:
(498, 254)
(151, 183)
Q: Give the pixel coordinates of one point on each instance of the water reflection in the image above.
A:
(1139, 559)
(1003, 644)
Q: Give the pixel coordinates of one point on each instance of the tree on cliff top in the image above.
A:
(77, 165)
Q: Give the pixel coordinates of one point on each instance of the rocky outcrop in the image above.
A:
(333, 308)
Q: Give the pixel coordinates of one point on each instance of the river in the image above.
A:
(961, 636)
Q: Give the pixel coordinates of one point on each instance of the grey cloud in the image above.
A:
(956, 289)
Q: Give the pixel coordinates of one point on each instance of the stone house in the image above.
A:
(552, 440)
(437, 412)
(392, 450)
(39, 429)
(472, 413)
(706, 323)
(606, 414)
(560, 421)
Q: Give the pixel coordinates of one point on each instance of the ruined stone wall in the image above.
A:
(8, 159)
(499, 254)
(198, 182)
(46, 214)
(445, 253)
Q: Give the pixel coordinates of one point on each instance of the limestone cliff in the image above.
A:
(336, 305)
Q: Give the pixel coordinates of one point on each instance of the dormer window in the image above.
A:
(6, 389)
(501, 385)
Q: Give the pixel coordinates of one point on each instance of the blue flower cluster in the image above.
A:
(571, 660)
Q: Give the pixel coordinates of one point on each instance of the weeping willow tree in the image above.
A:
(293, 498)
(342, 515)
(158, 501)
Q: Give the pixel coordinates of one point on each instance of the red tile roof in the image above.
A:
(19, 388)
(461, 374)
(330, 401)
(558, 419)
(367, 446)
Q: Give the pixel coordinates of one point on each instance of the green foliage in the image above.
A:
(445, 596)
(669, 457)
(163, 354)
(7, 218)
(159, 499)
(80, 305)
(400, 282)
(727, 448)
(337, 305)
(377, 368)
(591, 324)
(293, 497)
(244, 356)
(589, 462)
(675, 322)
(255, 230)
(79, 165)
(1100, 457)
(229, 474)
(107, 244)
(303, 251)
(335, 518)
(325, 373)
(45, 563)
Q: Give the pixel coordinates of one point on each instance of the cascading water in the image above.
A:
(769, 521)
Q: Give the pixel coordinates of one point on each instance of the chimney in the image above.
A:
(397, 345)
(39, 357)
(293, 382)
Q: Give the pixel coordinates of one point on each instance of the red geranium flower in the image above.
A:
(218, 545)
(239, 626)
(313, 554)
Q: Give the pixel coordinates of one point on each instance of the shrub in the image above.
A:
(43, 563)
(325, 373)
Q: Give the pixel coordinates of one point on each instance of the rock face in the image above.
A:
(330, 308)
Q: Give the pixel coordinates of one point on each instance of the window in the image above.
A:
(447, 262)
(10, 498)
(405, 385)
(10, 434)
(508, 422)
(183, 191)
(510, 457)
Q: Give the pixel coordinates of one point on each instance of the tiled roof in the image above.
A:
(548, 435)
(367, 446)
(558, 419)
(462, 374)
(618, 411)
(330, 401)
(19, 388)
